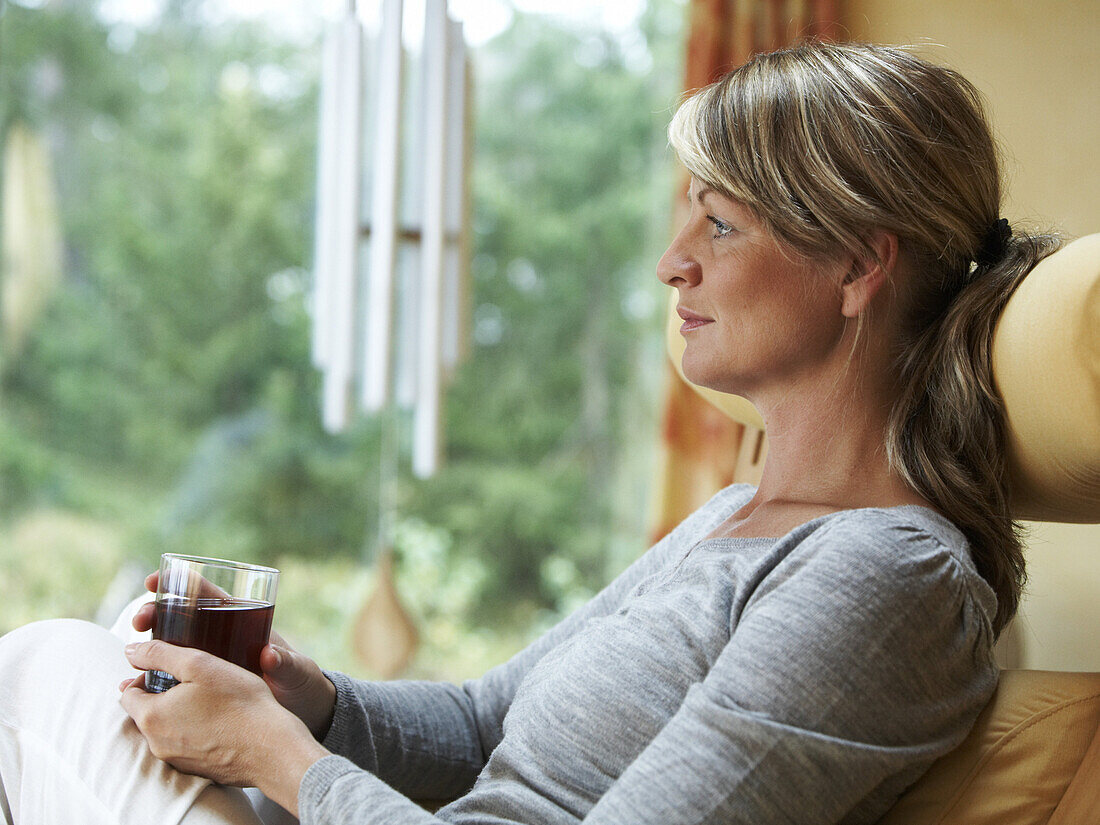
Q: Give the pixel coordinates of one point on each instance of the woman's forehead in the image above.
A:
(699, 190)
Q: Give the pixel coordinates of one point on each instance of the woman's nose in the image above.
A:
(677, 267)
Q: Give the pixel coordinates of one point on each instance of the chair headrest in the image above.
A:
(1046, 363)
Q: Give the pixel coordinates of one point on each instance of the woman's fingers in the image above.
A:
(289, 671)
(137, 681)
(192, 584)
(145, 618)
(300, 686)
(185, 663)
(220, 722)
(133, 702)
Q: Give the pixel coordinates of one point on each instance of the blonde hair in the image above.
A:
(829, 143)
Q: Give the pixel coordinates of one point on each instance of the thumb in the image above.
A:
(300, 686)
(284, 669)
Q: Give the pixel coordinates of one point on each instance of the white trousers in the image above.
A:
(70, 754)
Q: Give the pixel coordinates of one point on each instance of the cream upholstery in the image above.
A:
(1046, 360)
(1015, 768)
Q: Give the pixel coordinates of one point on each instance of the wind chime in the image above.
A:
(390, 268)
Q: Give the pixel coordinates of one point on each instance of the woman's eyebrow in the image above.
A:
(738, 209)
(703, 192)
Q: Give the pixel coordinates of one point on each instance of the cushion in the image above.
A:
(1019, 759)
(1046, 362)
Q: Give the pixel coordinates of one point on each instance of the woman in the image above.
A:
(798, 652)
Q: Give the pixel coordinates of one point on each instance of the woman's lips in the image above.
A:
(691, 320)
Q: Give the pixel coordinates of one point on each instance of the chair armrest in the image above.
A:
(1081, 801)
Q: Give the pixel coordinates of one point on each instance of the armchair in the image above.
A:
(1033, 756)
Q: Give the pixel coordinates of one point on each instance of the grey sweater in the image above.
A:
(805, 679)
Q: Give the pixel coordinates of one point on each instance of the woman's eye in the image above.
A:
(721, 228)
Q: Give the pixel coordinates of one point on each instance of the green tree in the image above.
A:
(571, 191)
(169, 384)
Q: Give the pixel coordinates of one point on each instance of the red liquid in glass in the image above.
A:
(232, 629)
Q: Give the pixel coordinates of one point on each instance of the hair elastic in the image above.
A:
(993, 243)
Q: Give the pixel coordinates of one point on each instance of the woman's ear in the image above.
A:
(868, 274)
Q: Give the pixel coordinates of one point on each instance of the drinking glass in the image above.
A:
(222, 607)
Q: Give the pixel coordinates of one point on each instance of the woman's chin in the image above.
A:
(718, 381)
(708, 376)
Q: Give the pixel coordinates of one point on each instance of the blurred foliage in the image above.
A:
(168, 394)
(56, 564)
(571, 198)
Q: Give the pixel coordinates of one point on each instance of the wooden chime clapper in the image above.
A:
(354, 307)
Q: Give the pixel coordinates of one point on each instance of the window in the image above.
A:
(163, 396)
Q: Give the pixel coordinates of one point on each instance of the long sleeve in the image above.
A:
(429, 740)
(807, 680)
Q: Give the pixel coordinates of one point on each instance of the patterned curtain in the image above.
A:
(703, 450)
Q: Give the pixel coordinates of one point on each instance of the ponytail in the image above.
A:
(947, 431)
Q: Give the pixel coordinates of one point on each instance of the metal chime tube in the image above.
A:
(343, 293)
(454, 274)
(377, 350)
(426, 417)
(328, 172)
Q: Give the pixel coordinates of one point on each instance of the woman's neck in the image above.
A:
(826, 452)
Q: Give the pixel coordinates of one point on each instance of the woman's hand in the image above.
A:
(295, 680)
(220, 721)
(298, 684)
